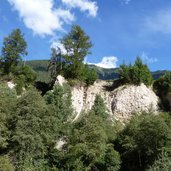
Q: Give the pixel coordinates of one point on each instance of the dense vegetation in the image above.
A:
(32, 126)
(162, 86)
(135, 74)
(12, 67)
(37, 133)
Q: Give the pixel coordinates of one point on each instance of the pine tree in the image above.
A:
(77, 45)
(14, 48)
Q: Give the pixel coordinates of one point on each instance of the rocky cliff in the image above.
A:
(121, 102)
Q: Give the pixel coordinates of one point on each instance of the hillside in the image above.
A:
(40, 66)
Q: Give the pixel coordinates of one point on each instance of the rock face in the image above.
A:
(133, 99)
(121, 102)
(83, 97)
(60, 80)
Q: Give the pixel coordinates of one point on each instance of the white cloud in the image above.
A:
(83, 5)
(147, 59)
(107, 62)
(56, 44)
(159, 22)
(44, 19)
(40, 15)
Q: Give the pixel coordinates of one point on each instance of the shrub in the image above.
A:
(24, 76)
(90, 75)
(99, 108)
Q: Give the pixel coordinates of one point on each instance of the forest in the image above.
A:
(37, 132)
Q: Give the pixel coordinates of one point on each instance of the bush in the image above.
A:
(99, 108)
(24, 76)
(90, 75)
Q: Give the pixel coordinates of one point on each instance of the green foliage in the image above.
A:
(35, 130)
(143, 139)
(77, 45)
(24, 76)
(5, 164)
(135, 74)
(7, 106)
(99, 108)
(14, 48)
(70, 64)
(4, 132)
(41, 69)
(90, 75)
(163, 163)
(60, 101)
(162, 86)
(88, 147)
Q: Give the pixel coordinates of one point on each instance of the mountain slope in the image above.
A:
(41, 67)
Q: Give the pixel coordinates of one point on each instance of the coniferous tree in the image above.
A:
(14, 48)
(135, 74)
(77, 45)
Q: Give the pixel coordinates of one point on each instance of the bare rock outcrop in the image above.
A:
(131, 99)
(60, 80)
(121, 102)
(83, 97)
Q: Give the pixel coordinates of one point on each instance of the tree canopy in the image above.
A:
(135, 74)
(70, 63)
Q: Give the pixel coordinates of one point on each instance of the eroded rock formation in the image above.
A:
(121, 102)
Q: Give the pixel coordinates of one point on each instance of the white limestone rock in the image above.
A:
(121, 103)
(60, 80)
(131, 99)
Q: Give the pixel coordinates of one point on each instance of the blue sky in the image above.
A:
(119, 29)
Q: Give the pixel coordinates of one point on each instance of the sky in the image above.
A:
(120, 30)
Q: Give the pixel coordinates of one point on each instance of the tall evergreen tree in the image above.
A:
(77, 45)
(14, 48)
